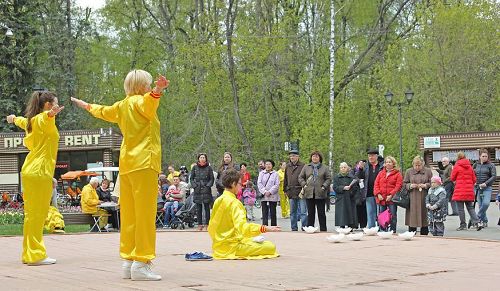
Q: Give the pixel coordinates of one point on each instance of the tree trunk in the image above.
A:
(230, 18)
(332, 80)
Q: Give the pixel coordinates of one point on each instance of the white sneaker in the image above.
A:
(126, 269)
(46, 261)
(142, 272)
(108, 227)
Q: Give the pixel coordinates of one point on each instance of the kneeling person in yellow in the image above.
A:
(42, 139)
(231, 234)
(90, 200)
(140, 164)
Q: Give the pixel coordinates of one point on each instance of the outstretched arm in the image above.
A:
(108, 113)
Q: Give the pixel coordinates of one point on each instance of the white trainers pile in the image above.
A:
(139, 271)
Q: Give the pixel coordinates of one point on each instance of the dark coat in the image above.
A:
(104, 195)
(318, 189)
(202, 179)
(291, 183)
(345, 205)
(218, 182)
(464, 178)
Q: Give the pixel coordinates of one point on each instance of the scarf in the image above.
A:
(315, 170)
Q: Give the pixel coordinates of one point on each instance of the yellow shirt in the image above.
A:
(281, 174)
(42, 143)
(90, 200)
(228, 226)
(139, 124)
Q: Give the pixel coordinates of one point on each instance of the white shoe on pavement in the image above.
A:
(142, 272)
(46, 261)
(109, 227)
(126, 269)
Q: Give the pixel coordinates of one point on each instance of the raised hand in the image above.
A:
(10, 118)
(79, 103)
(55, 110)
(161, 83)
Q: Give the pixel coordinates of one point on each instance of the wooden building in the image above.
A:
(77, 150)
(436, 146)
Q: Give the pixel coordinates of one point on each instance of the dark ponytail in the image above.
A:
(36, 104)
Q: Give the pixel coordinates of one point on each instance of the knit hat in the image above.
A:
(437, 179)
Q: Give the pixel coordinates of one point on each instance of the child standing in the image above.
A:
(437, 206)
(140, 164)
(249, 195)
(42, 141)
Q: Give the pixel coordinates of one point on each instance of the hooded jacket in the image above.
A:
(464, 178)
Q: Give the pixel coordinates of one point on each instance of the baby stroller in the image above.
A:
(186, 215)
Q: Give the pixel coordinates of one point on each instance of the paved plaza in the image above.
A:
(90, 261)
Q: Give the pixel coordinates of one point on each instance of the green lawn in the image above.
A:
(17, 229)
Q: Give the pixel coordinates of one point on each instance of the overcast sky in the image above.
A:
(94, 4)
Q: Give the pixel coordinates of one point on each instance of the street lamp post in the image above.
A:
(408, 97)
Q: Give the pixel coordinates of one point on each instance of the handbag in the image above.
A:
(402, 198)
(384, 218)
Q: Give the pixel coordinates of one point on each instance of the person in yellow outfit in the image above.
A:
(42, 140)
(90, 200)
(285, 206)
(171, 174)
(140, 163)
(232, 236)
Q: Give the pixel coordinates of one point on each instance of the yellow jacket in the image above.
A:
(228, 226)
(90, 200)
(42, 142)
(139, 124)
(281, 174)
(170, 177)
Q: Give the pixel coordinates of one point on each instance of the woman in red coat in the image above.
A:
(464, 178)
(387, 184)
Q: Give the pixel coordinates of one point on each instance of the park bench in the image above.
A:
(83, 218)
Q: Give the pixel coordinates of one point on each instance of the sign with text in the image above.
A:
(69, 140)
(432, 142)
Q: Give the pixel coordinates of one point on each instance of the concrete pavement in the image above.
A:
(308, 262)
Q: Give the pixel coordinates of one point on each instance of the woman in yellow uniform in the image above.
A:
(284, 204)
(140, 163)
(232, 236)
(42, 139)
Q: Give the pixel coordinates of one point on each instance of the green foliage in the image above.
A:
(446, 53)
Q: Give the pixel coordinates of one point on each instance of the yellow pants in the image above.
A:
(54, 221)
(253, 250)
(285, 205)
(37, 194)
(138, 194)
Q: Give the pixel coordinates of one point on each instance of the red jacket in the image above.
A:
(387, 185)
(464, 178)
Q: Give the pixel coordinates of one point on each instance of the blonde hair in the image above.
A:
(136, 82)
(418, 159)
(460, 155)
(393, 160)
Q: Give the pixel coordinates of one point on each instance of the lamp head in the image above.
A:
(409, 96)
(388, 97)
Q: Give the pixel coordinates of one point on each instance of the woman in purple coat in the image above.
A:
(268, 184)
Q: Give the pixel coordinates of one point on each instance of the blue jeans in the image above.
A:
(298, 209)
(483, 200)
(169, 210)
(371, 212)
(393, 208)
